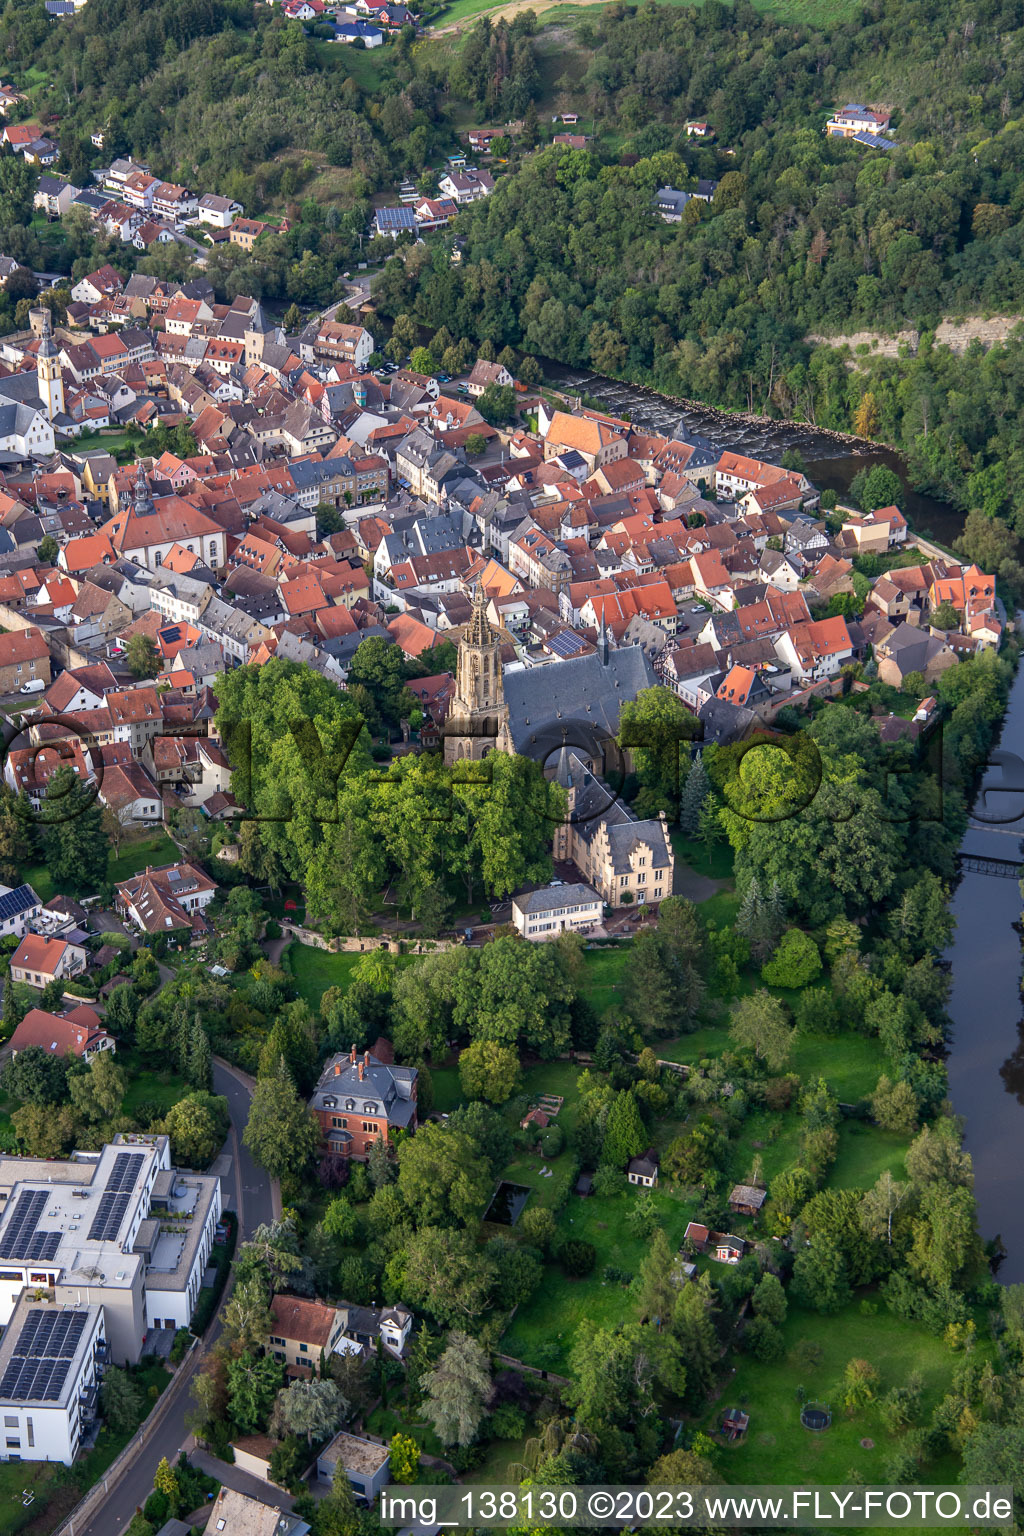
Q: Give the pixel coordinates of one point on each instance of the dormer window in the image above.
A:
(350, 1103)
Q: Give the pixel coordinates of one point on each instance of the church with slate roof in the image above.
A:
(565, 716)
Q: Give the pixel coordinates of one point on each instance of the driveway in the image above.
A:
(247, 1191)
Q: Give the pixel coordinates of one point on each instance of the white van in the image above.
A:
(35, 686)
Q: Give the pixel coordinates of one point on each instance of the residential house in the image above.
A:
(77, 1033)
(39, 959)
(239, 1514)
(643, 1170)
(19, 906)
(24, 658)
(549, 910)
(218, 212)
(485, 374)
(303, 1334)
(360, 1098)
(166, 900)
(466, 186)
(910, 648)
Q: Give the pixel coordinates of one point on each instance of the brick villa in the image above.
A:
(359, 1098)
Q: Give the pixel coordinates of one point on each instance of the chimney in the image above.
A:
(360, 1071)
(366, 1060)
(352, 1056)
(337, 1069)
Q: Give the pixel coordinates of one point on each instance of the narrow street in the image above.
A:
(247, 1191)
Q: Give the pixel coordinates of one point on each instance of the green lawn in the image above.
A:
(447, 1089)
(317, 969)
(720, 864)
(146, 1086)
(543, 1330)
(602, 977)
(154, 848)
(865, 1152)
(494, 1469)
(849, 1062)
(136, 852)
(772, 1395)
(118, 443)
(388, 1421)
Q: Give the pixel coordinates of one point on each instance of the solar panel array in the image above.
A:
(116, 1197)
(20, 1239)
(18, 900)
(124, 1172)
(38, 1368)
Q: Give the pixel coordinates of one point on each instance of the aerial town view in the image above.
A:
(511, 821)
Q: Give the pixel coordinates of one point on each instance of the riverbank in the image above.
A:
(764, 437)
(985, 1059)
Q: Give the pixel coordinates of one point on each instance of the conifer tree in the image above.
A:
(695, 792)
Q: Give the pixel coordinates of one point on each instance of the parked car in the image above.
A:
(35, 686)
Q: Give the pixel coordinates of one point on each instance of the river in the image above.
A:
(986, 1053)
(831, 461)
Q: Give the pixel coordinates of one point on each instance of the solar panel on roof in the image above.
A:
(109, 1215)
(124, 1172)
(39, 1366)
(21, 899)
(20, 1239)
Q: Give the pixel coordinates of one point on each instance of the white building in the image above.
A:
(51, 1360)
(120, 1230)
(220, 212)
(19, 906)
(544, 913)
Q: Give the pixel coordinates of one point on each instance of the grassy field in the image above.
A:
(543, 1330)
(818, 13)
(718, 865)
(317, 969)
(772, 1395)
(136, 852)
(145, 1086)
(387, 1422)
(602, 978)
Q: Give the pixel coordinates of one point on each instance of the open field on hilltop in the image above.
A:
(817, 13)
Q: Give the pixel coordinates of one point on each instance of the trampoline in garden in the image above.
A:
(815, 1417)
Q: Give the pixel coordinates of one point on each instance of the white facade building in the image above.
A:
(545, 913)
(119, 1230)
(51, 1360)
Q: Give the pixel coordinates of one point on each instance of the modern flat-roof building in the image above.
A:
(366, 1464)
(120, 1229)
(51, 1360)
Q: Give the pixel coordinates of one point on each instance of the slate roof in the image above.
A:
(545, 703)
(550, 897)
(381, 1091)
(596, 805)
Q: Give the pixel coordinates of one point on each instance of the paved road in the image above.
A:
(246, 1190)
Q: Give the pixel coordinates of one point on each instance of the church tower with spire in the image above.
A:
(478, 719)
(48, 374)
